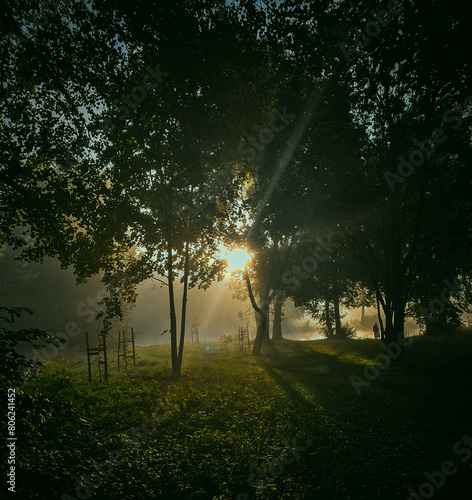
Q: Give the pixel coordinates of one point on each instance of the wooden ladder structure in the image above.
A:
(123, 347)
(195, 335)
(243, 334)
(97, 351)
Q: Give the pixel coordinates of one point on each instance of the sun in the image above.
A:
(237, 258)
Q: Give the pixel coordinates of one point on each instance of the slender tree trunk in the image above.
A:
(265, 301)
(429, 323)
(277, 328)
(337, 318)
(329, 325)
(184, 312)
(173, 319)
(399, 318)
(266, 310)
(362, 313)
(395, 318)
(398, 282)
(387, 308)
(379, 316)
(389, 333)
(399, 325)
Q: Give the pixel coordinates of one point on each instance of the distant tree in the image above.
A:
(323, 285)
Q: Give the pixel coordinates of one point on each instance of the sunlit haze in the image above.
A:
(237, 259)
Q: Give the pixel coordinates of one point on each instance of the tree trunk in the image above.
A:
(263, 317)
(436, 327)
(379, 316)
(265, 301)
(398, 282)
(266, 309)
(337, 318)
(277, 328)
(433, 325)
(173, 319)
(257, 347)
(399, 325)
(184, 314)
(389, 333)
(329, 325)
(362, 313)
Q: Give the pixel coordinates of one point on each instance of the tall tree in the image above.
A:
(413, 165)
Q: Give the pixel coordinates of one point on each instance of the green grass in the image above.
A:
(231, 416)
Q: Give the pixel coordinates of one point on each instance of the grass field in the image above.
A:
(290, 425)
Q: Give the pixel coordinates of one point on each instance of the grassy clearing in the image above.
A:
(226, 428)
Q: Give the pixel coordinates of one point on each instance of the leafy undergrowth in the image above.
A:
(289, 425)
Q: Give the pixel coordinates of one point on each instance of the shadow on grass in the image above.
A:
(294, 357)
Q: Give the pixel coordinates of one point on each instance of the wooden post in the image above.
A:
(105, 354)
(99, 357)
(119, 342)
(124, 354)
(132, 342)
(88, 358)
